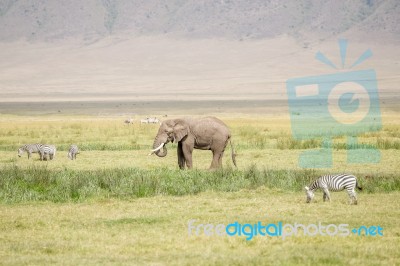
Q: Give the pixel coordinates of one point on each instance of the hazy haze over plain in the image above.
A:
(161, 50)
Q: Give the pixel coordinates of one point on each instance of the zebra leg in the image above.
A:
(353, 196)
(29, 154)
(326, 194)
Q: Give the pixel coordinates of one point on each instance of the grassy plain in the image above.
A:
(116, 205)
(154, 230)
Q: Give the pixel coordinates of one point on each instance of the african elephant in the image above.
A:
(207, 133)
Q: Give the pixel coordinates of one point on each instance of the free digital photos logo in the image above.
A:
(345, 103)
(279, 229)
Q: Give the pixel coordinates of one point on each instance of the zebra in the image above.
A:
(29, 148)
(334, 183)
(73, 151)
(47, 152)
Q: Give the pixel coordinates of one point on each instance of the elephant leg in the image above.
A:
(218, 149)
(217, 160)
(187, 149)
(220, 159)
(181, 156)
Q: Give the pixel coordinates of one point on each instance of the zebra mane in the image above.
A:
(314, 185)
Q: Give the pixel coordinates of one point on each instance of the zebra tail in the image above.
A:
(233, 154)
(358, 186)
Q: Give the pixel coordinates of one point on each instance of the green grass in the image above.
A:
(112, 134)
(154, 230)
(114, 162)
(116, 205)
(88, 133)
(38, 183)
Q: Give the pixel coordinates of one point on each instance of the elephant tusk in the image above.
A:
(157, 149)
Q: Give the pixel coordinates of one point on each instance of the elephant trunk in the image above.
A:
(159, 148)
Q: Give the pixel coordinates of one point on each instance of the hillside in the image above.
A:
(93, 19)
(183, 49)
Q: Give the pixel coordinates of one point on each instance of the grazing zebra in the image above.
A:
(334, 183)
(73, 151)
(47, 152)
(29, 148)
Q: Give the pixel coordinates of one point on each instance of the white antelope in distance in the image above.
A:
(334, 183)
(154, 120)
(150, 120)
(144, 121)
(73, 151)
(128, 121)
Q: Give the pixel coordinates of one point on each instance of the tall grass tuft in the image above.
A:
(291, 144)
(42, 184)
(388, 143)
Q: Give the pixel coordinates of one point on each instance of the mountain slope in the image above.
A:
(93, 19)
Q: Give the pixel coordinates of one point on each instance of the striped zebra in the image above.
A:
(47, 152)
(73, 151)
(334, 183)
(29, 148)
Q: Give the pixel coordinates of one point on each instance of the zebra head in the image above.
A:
(309, 193)
(20, 152)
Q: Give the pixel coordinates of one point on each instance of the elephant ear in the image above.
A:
(180, 131)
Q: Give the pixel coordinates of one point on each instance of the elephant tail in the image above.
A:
(233, 154)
